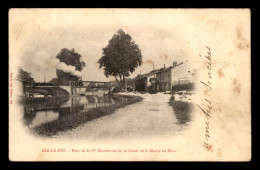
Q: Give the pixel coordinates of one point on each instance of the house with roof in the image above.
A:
(177, 74)
(165, 79)
(146, 82)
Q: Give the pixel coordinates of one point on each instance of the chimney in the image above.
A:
(164, 66)
(174, 64)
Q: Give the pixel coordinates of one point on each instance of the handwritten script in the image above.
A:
(206, 105)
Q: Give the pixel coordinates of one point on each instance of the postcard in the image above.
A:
(129, 84)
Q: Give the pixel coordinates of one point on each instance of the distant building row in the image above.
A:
(164, 79)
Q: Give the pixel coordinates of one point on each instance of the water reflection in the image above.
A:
(39, 112)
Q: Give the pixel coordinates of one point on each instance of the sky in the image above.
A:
(160, 35)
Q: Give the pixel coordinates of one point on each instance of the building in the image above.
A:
(175, 75)
(183, 74)
(146, 82)
(164, 79)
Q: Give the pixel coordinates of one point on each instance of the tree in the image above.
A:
(69, 57)
(54, 81)
(120, 57)
(25, 77)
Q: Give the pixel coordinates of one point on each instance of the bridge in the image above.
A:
(74, 88)
(89, 86)
(33, 91)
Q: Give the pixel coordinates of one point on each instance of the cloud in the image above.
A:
(67, 68)
(44, 60)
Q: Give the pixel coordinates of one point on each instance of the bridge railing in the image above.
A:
(89, 84)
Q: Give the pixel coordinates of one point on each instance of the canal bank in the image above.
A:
(152, 118)
(80, 114)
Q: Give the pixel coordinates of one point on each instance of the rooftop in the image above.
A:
(157, 71)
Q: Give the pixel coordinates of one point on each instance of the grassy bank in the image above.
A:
(74, 120)
(182, 110)
(44, 101)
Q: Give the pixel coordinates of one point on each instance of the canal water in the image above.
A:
(39, 111)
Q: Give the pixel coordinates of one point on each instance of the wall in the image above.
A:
(182, 74)
(164, 80)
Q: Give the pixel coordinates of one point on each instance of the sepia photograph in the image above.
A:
(129, 84)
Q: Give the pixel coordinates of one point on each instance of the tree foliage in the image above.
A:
(120, 57)
(25, 76)
(69, 57)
